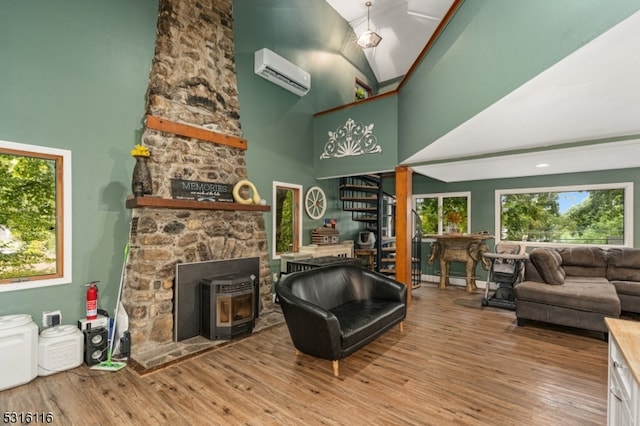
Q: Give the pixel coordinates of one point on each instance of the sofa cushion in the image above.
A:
(549, 264)
(629, 288)
(362, 318)
(584, 261)
(623, 264)
(590, 294)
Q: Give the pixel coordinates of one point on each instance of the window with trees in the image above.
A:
(585, 214)
(446, 212)
(35, 216)
(363, 91)
(287, 218)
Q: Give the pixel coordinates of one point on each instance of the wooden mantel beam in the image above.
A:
(190, 131)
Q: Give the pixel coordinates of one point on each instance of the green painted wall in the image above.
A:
(489, 48)
(74, 76)
(379, 112)
(277, 124)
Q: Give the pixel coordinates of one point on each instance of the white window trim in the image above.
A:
(66, 205)
(628, 211)
(440, 196)
(275, 185)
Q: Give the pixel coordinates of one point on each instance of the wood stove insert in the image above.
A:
(229, 306)
(195, 297)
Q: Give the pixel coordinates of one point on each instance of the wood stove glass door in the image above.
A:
(234, 308)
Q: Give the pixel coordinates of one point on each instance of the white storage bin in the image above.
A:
(59, 348)
(18, 350)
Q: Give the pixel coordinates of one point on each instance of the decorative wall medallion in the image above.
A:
(351, 139)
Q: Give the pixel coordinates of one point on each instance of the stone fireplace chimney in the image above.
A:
(192, 84)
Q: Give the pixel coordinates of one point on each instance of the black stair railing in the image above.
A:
(364, 197)
(416, 250)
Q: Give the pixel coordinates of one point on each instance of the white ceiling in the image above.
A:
(404, 25)
(593, 95)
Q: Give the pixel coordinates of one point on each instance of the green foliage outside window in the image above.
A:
(598, 217)
(27, 216)
(439, 211)
(284, 220)
(427, 209)
(454, 210)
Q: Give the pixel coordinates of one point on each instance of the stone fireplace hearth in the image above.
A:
(192, 85)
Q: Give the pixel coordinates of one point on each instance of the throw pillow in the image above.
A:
(531, 272)
(549, 264)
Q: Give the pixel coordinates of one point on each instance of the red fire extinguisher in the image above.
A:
(92, 301)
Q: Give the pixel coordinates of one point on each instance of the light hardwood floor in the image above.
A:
(455, 363)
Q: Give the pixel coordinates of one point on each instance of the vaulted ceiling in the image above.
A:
(592, 95)
(405, 26)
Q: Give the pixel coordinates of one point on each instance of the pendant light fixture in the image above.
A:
(368, 38)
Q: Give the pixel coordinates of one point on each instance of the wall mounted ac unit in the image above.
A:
(278, 70)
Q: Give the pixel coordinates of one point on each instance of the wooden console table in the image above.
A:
(465, 248)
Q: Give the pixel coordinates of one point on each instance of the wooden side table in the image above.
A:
(366, 256)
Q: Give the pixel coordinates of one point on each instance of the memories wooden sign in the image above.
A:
(201, 191)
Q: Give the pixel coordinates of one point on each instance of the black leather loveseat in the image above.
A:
(333, 311)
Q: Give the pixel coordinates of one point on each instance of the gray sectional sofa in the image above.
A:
(579, 286)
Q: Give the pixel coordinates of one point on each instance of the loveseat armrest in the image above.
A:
(313, 330)
(384, 288)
